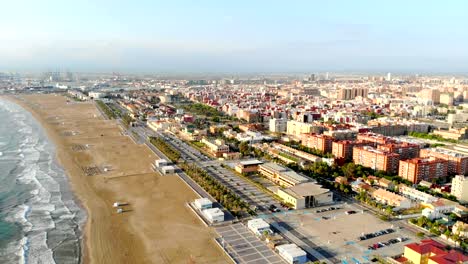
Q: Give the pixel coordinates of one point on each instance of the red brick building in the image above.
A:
(343, 149)
(457, 161)
(377, 139)
(376, 159)
(316, 141)
(418, 169)
(405, 150)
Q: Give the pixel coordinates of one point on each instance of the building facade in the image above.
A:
(376, 159)
(427, 169)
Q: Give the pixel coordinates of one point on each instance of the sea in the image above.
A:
(40, 219)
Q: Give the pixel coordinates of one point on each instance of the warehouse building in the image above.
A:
(306, 195)
(281, 175)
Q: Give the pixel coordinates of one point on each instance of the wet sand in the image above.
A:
(157, 226)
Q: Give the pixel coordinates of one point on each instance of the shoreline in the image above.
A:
(83, 257)
(156, 227)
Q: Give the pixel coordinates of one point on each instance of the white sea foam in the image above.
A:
(46, 218)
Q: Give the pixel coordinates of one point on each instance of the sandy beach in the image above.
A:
(105, 166)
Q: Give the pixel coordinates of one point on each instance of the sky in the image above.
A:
(178, 36)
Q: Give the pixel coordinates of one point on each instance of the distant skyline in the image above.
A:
(236, 36)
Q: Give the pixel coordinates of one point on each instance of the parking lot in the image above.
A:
(245, 189)
(188, 153)
(245, 247)
(339, 232)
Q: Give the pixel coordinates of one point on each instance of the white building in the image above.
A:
(96, 95)
(259, 226)
(161, 163)
(214, 215)
(460, 187)
(168, 169)
(203, 203)
(292, 253)
(414, 194)
(278, 125)
(295, 128)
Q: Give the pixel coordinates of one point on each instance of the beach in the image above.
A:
(104, 166)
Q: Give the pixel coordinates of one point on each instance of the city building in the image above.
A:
(247, 166)
(351, 93)
(393, 199)
(430, 252)
(295, 128)
(344, 134)
(281, 175)
(453, 133)
(217, 147)
(292, 253)
(377, 139)
(376, 159)
(460, 187)
(322, 143)
(343, 149)
(404, 149)
(306, 195)
(415, 194)
(457, 160)
(278, 125)
(431, 95)
(427, 169)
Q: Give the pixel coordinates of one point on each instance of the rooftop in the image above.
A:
(306, 189)
(250, 162)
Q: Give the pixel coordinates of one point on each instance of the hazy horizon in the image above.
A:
(238, 37)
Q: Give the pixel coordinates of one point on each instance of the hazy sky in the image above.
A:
(234, 35)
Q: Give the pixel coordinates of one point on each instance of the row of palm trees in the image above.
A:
(105, 108)
(220, 192)
(168, 150)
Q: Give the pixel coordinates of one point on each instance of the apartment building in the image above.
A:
(376, 159)
(457, 161)
(405, 150)
(351, 93)
(216, 147)
(343, 149)
(295, 128)
(316, 141)
(281, 175)
(278, 125)
(427, 169)
(376, 139)
(460, 187)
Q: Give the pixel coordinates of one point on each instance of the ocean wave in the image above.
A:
(50, 221)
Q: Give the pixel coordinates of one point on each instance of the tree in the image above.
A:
(244, 148)
(349, 170)
(422, 221)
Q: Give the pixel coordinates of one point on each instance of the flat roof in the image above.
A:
(292, 250)
(293, 176)
(306, 189)
(274, 167)
(250, 162)
(168, 168)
